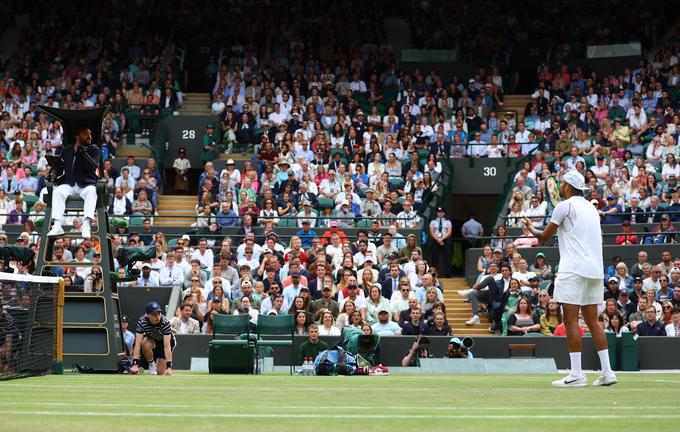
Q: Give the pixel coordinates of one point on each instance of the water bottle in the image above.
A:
(305, 366)
(260, 363)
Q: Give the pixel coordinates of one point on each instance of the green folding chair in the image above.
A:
(396, 181)
(544, 284)
(287, 222)
(30, 200)
(277, 325)
(235, 355)
(364, 223)
(325, 203)
(137, 220)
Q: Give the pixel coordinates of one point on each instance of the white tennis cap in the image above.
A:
(575, 179)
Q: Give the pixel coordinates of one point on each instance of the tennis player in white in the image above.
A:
(579, 283)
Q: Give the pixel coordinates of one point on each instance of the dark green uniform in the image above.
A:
(307, 349)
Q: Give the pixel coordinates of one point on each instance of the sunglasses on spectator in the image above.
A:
(667, 307)
(194, 280)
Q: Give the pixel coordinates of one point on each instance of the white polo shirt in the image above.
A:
(580, 237)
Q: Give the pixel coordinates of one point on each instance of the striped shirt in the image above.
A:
(154, 331)
(7, 326)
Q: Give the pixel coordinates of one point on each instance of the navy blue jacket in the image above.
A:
(80, 167)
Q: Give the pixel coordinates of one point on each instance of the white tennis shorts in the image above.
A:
(571, 288)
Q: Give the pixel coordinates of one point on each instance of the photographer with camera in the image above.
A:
(419, 349)
(459, 349)
(80, 162)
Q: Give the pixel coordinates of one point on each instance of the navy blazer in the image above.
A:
(80, 166)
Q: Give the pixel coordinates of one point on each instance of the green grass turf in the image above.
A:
(192, 401)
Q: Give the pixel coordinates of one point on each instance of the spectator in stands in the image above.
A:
(526, 240)
(523, 320)
(662, 233)
(142, 206)
(673, 328)
(438, 326)
(551, 318)
(652, 282)
(120, 204)
(384, 326)
(147, 278)
(636, 270)
(185, 324)
(416, 325)
(610, 213)
(650, 326)
(627, 236)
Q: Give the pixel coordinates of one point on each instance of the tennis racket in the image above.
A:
(552, 186)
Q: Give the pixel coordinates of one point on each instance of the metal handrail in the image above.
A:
(643, 214)
(643, 233)
(76, 214)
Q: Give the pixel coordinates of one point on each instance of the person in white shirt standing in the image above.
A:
(578, 286)
(171, 274)
(203, 254)
(440, 232)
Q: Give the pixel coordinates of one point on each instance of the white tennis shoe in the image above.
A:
(571, 381)
(85, 231)
(605, 380)
(56, 230)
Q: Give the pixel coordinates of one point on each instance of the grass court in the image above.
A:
(399, 402)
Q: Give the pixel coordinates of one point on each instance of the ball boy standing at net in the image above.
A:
(154, 342)
(578, 286)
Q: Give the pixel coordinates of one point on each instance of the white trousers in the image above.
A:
(62, 192)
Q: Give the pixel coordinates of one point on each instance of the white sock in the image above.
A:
(86, 222)
(604, 362)
(575, 358)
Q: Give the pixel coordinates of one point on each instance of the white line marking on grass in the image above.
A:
(342, 416)
(306, 407)
(663, 381)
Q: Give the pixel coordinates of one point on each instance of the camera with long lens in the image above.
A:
(463, 345)
(21, 254)
(128, 256)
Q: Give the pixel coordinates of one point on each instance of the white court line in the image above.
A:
(144, 384)
(341, 416)
(662, 381)
(299, 407)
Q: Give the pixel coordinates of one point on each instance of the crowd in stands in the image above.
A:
(518, 297)
(621, 132)
(342, 139)
(98, 65)
(492, 39)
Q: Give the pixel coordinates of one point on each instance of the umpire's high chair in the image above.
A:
(92, 335)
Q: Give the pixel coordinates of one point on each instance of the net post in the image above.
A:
(59, 354)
